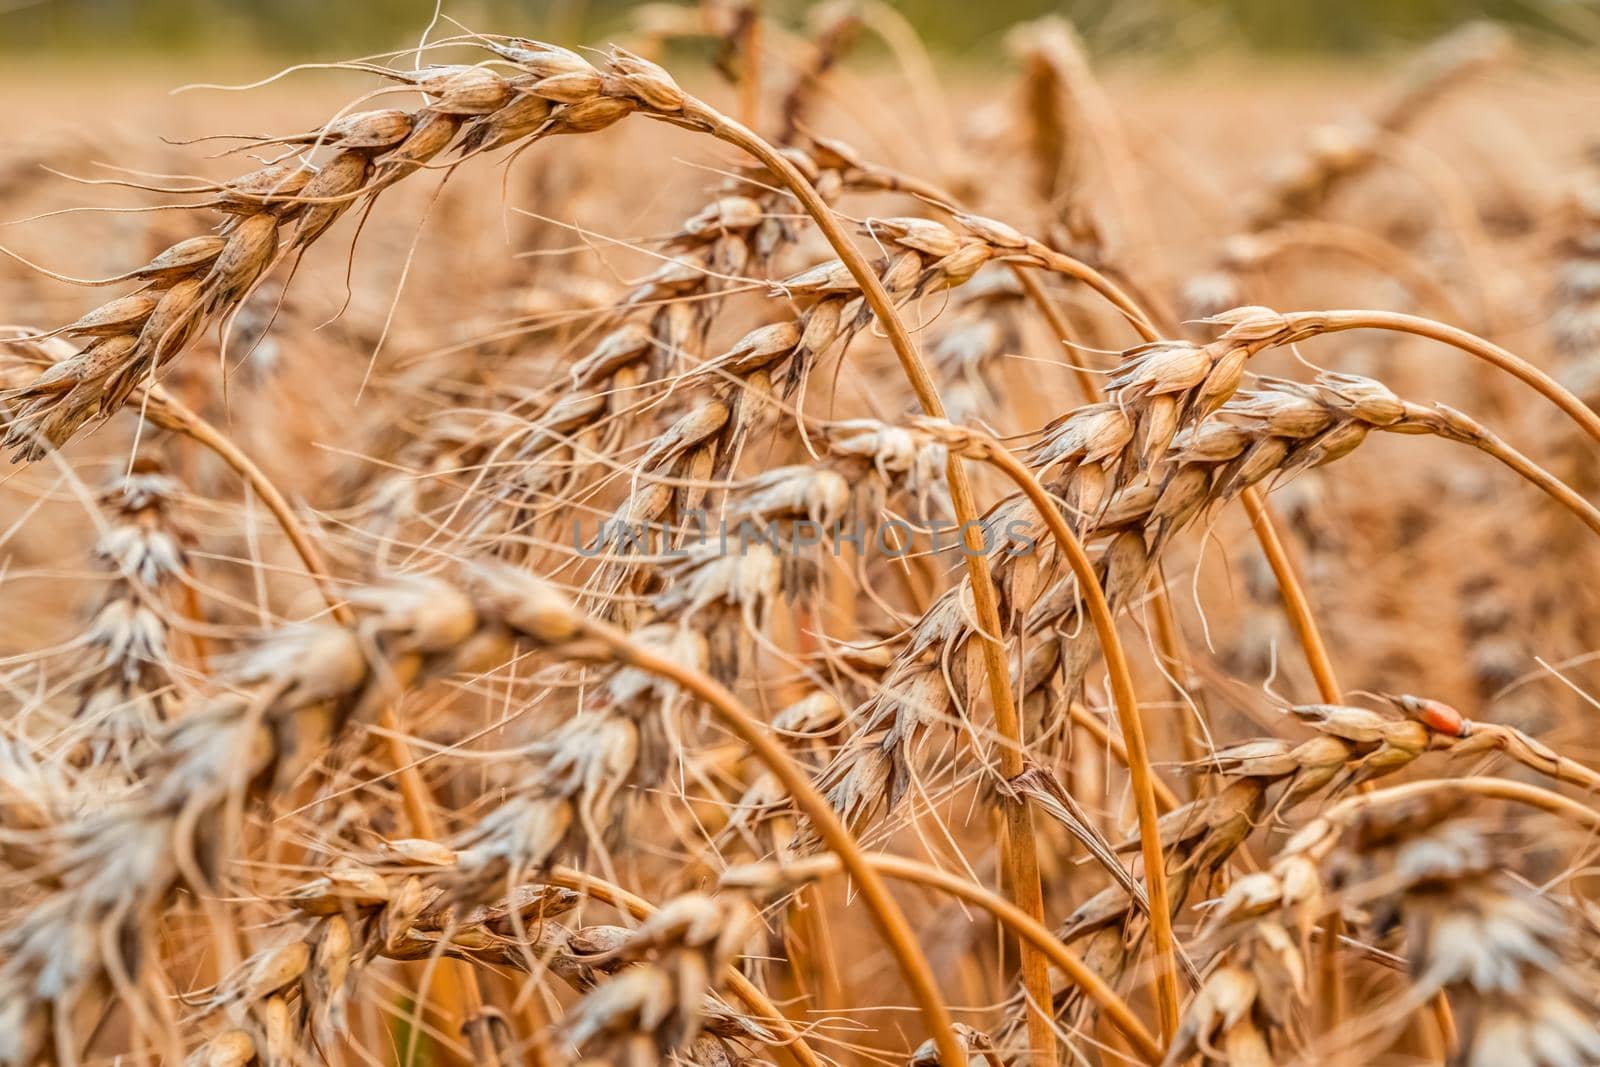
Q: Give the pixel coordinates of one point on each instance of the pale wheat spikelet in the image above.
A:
(290, 696)
(1492, 946)
(132, 691)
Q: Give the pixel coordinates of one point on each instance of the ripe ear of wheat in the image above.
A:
(504, 665)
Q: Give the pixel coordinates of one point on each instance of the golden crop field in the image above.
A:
(756, 541)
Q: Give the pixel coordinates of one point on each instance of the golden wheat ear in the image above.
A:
(790, 607)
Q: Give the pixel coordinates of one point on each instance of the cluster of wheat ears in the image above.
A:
(831, 645)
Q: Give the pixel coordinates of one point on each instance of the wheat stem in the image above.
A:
(1312, 323)
(1295, 601)
(1021, 846)
(1478, 785)
(1140, 771)
(908, 870)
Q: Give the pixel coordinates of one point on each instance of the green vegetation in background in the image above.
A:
(343, 27)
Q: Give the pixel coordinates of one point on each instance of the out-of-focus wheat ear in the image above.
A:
(833, 28)
(130, 688)
(1336, 153)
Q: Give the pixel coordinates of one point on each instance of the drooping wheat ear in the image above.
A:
(1301, 185)
(397, 903)
(1354, 746)
(1259, 328)
(279, 210)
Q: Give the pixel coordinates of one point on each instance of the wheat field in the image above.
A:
(844, 557)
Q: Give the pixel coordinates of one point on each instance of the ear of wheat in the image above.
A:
(837, 614)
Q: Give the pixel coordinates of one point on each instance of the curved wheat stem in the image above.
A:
(1021, 847)
(1532, 796)
(1302, 324)
(985, 449)
(1019, 922)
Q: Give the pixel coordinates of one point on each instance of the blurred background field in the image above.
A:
(1207, 155)
(1181, 29)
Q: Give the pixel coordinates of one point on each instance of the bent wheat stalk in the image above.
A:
(910, 871)
(1298, 325)
(1020, 842)
(980, 447)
